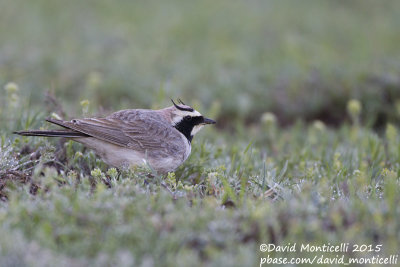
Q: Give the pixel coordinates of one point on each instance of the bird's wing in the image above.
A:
(140, 130)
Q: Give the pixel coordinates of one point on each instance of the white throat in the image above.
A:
(196, 129)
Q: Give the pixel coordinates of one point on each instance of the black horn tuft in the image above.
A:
(186, 108)
(174, 103)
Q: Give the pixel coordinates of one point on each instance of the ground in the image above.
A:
(305, 151)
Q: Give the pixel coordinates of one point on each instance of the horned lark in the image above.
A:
(161, 138)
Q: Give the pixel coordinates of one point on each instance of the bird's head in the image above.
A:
(187, 120)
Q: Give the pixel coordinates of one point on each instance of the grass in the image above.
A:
(306, 149)
(296, 60)
(306, 184)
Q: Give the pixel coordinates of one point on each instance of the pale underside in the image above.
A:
(122, 157)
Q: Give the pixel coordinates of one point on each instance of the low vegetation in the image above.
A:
(307, 184)
(306, 149)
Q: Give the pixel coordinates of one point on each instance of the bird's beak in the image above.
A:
(209, 121)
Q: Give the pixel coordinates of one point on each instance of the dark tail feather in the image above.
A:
(57, 122)
(52, 133)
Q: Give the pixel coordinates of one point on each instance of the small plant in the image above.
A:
(354, 110)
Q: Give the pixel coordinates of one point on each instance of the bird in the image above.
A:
(160, 138)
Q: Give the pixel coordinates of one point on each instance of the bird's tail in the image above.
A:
(52, 133)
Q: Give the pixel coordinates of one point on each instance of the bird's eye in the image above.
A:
(187, 118)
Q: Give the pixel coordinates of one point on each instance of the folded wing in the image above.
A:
(143, 131)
